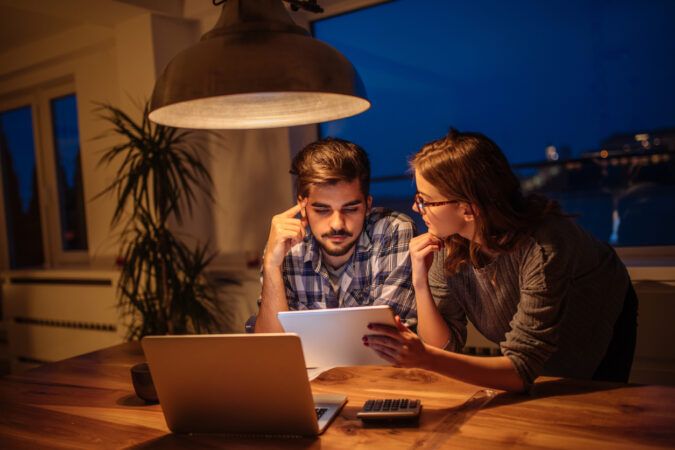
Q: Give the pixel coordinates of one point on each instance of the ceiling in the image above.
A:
(26, 21)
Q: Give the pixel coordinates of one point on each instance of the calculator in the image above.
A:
(390, 410)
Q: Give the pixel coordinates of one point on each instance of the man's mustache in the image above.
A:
(334, 233)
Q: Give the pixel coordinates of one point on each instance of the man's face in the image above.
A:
(336, 214)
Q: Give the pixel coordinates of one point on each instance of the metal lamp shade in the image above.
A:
(256, 69)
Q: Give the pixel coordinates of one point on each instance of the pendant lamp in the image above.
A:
(256, 69)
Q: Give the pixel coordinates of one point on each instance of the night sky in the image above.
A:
(17, 125)
(526, 73)
(66, 135)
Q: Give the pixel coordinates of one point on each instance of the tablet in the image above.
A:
(333, 337)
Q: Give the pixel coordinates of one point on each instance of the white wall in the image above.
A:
(119, 64)
(85, 56)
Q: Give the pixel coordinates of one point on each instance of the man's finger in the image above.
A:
(295, 228)
(291, 227)
(288, 233)
(293, 211)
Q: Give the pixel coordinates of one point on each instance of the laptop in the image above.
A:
(333, 337)
(243, 384)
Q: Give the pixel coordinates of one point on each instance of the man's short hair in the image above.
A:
(329, 161)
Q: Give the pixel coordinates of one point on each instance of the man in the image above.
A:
(340, 252)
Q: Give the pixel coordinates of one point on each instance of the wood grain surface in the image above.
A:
(89, 402)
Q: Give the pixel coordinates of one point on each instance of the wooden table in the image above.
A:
(88, 402)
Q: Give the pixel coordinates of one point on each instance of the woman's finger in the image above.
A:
(391, 355)
(387, 330)
(384, 341)
(402, 328)
(426, 250)
(386, 357)
(424, 240)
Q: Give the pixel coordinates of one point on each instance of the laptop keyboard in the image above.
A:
(320, 412)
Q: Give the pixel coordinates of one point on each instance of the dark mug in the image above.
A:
(142, 381)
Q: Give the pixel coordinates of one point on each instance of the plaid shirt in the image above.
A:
(378, 273)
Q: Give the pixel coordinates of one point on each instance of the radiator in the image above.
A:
(58, 314)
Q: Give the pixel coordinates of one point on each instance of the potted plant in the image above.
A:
(163, 287)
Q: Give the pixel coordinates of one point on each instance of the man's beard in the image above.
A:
(340, 251)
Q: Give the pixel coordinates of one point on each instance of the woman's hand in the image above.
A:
(422, 249)
(398, 345)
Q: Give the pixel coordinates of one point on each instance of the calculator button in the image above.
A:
(400, 410)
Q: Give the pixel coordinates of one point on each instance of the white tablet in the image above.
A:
(333, 337)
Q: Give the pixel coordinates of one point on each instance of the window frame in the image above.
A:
(639, 254)
(39, 99)
(53, 208)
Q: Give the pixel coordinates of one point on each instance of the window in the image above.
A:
(42, 202)
(579, 95)
(20, 188)
(69, 173)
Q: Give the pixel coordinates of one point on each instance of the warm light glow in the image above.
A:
(259, 110)
(604, 153)
(256, 69)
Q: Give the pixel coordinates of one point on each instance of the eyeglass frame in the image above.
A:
(421, 204)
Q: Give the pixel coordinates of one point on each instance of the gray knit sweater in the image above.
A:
(550, 304)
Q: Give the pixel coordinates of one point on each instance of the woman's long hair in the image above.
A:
(471, 168)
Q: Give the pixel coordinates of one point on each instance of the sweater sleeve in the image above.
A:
(448, 304)
(545, 279)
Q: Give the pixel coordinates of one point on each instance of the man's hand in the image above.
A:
(286, 231)
(422, 249)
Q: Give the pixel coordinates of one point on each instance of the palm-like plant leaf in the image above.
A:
(162, 287)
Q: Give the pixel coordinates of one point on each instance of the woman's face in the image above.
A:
(443, 220)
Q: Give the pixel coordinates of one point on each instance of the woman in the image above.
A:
(557, 301)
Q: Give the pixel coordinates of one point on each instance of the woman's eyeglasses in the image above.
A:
(421, 204)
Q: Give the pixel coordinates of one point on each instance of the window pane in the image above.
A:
(559, 75)
(20, 188)
(69, 173)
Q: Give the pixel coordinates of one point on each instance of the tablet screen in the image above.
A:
(333, 337)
